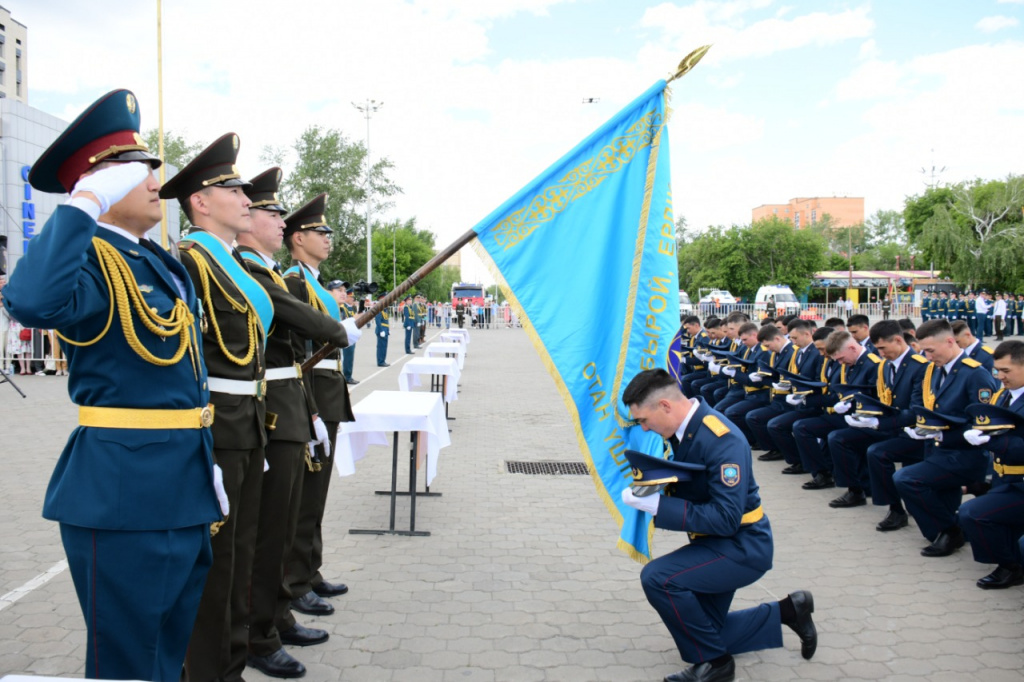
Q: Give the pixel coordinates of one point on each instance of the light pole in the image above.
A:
(368, 109)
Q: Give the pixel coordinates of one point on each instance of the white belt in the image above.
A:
(257, 388)
(332, 365)
(278, 373)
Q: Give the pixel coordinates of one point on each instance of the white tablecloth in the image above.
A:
(459, 330)
(409, 377)
(444, 349)
(451, 337)
(383, 412)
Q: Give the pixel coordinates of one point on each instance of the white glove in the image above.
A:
(320, 429)
(794, 399)
(112, 184)
(729, 371)
(781, 388)
(647, 504)
(383, 334)
(715, 368)
(349, 323)
(218, 486)
(976, 437)
(843, 406)
(862, 422)
(756, 378)
(931, 435)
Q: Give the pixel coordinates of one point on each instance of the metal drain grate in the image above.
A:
(547, 468)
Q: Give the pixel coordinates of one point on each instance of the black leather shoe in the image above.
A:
(278, 664)
(1007, 575)
(894, 520)
(351, 382)
(326, 589)
(794, 469)
(849, 499)
(770, 456)
(803, 604)
(947, 542)
(821, 480)
(300, 635)
(704, 672)
(312, 605)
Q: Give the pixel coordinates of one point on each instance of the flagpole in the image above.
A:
(367, 315)
(160, 108)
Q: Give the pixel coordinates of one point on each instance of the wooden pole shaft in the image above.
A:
(367, 316)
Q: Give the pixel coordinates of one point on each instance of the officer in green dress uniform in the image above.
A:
(291, 424)
(135, 485)
(237, 315)
(308, 238)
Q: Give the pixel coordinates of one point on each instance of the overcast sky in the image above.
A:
(800, 98)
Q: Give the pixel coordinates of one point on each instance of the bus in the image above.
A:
(467, 293)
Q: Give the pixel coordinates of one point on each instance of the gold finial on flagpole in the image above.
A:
(689, 61)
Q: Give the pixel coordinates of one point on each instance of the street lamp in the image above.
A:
(368, 109)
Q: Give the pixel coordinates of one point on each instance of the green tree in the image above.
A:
(329, 162)
(178, 151)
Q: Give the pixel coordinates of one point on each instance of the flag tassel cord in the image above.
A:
(685, 66)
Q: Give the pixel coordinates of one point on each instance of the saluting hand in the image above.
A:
(109, 185)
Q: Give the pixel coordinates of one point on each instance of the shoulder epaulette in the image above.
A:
(987, 350)
(971, 362)
(716, 425)
(919, 358)
(874, 358)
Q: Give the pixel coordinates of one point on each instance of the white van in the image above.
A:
(685, 306)
(786, 302)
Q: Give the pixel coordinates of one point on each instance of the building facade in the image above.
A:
(804, 212)
(13, 58)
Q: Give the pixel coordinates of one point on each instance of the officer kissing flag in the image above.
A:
(585, 254)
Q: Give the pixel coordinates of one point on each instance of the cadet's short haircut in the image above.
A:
(907, 324)
(691, 319)
(712, 323)
(822, 334)
(798, 324)
(1012, 349)
(737, 317)
(858, 320)
(934, 328)
(767, 320)
(835, 322)
(959, 327)
(836, 341)
(886, 329)
(909, 338)
(768, 332)
(746, 328)
(645, 384)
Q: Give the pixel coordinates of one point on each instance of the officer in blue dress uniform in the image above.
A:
(859, 372)
(876, 420)
(409, 323)
(931, 489)
(716, 502)
(135, 487)
(383, 328)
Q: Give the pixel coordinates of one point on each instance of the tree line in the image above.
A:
(972, 232)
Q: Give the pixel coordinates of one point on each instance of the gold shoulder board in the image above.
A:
(920, 359)
(716, 425)
(971, 362)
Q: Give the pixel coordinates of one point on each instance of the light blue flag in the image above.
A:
(586, 256)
